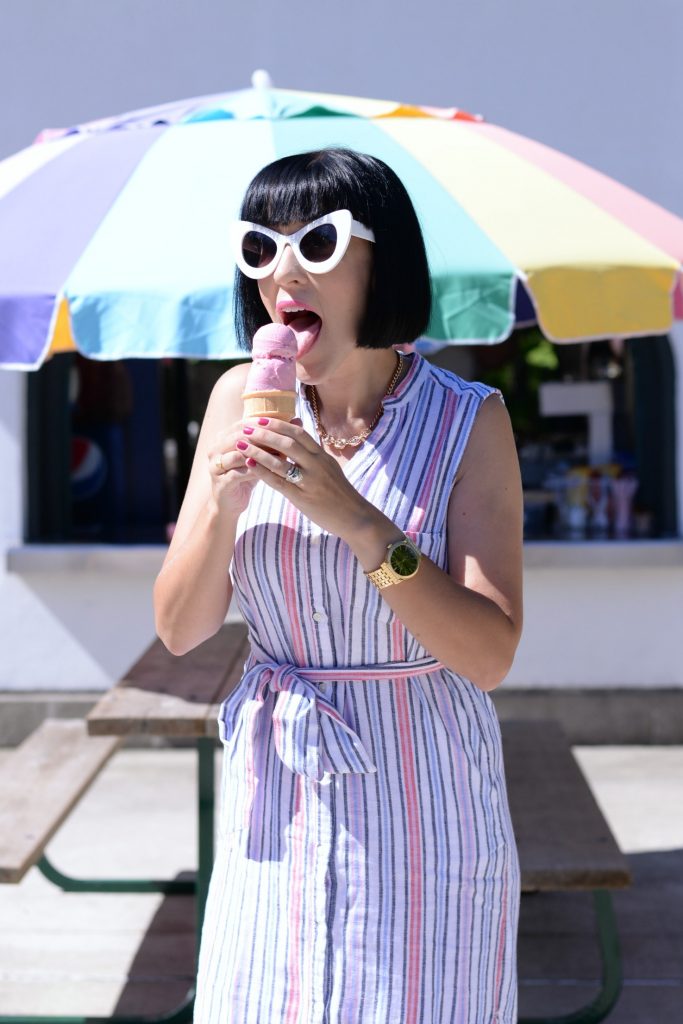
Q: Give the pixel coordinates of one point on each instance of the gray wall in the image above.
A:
(600, 79)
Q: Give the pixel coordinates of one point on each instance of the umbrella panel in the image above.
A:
(144, 265)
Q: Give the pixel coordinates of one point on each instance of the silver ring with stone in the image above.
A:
(294, 474)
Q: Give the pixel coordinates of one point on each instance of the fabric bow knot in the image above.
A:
(311, 737)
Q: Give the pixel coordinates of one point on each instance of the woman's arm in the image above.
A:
(469, 618)
(193, 590)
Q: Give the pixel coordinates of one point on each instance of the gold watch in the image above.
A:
(401, 563)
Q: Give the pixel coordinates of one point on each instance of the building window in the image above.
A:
(110, 444)
(595, 430)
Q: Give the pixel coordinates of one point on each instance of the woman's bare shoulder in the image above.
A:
(225, 400)
(232, 381)
(491, 442)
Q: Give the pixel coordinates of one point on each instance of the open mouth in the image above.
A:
(306, 326)
(300, 319)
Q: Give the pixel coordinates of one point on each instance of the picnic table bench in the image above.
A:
(563, 839)
(41, 782)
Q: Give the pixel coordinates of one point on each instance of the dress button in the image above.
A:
(318, 616)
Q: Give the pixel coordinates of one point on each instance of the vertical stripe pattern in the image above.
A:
(366, 871)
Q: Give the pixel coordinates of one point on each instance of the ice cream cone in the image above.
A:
(278, 405)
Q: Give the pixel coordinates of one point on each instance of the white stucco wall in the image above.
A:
(605, 627)
(72, 630)
(593, 80)
(76, 620)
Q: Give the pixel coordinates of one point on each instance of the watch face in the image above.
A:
(404, 559)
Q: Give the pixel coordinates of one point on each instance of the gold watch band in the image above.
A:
(384, 576)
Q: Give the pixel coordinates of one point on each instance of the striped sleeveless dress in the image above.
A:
(366, 870)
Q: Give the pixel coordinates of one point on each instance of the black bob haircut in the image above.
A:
(309, 185)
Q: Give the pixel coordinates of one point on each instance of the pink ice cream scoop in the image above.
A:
(274, 359)
(270, 388)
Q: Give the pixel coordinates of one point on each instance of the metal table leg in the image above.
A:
(610, 953)
(205, 826)
(170, 886)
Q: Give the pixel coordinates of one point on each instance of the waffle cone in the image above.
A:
(278, 405)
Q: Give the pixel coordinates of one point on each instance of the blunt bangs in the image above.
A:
(306, 186)
(303, 188)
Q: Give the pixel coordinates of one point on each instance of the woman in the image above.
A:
(366, 871)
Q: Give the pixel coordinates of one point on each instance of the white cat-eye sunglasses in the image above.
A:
(318, 246)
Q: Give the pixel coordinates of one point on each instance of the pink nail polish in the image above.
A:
(247, 430)
(263, 422)
(242, 445)
(251, 462)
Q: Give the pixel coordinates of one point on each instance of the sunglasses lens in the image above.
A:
(258, 250)
(319, 244)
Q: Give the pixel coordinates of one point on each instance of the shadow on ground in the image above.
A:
(559, 964)
(163, 969)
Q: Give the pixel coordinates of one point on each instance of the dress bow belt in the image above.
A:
(310, 735)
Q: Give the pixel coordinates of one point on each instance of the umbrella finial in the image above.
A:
(260, 79)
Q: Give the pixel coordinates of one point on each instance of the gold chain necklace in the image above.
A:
(351, 442)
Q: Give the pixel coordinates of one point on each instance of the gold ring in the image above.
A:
(219, 462)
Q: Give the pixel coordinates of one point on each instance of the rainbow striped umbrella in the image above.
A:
(113, 234)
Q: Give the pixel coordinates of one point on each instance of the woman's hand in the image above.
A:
(323, 493)
(231, 480)
(193, 590)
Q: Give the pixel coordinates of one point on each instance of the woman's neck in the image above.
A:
(351, 396)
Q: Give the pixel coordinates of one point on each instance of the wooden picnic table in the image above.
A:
(169, 696)
(165, 695)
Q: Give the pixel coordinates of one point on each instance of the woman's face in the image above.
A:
(333, 305)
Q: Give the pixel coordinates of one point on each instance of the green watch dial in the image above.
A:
(404, 559)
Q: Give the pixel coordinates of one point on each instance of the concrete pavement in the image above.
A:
(99, 954)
